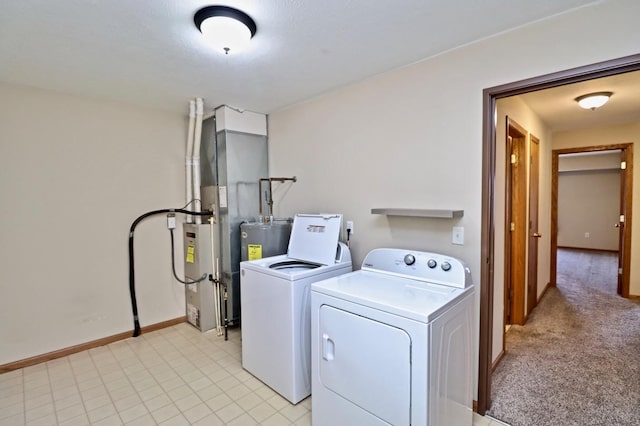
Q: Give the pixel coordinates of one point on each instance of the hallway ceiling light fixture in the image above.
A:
(593, 100)
(225, 28)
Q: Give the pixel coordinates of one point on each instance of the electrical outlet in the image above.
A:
(171, 221)
(457, 235)
(587, 235)
(350, 226)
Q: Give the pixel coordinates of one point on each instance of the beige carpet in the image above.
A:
(577, 360)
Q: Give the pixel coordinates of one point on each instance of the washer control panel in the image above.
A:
(419, 265)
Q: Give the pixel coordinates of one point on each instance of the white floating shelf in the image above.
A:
(440, 214)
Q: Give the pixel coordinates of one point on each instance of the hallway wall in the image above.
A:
(519, 111)
(588, 207)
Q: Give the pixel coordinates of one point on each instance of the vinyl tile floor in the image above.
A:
(175, 376)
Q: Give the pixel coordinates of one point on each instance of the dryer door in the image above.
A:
(367, 363)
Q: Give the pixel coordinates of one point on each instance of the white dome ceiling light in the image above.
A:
(225, 28)
(593, 100)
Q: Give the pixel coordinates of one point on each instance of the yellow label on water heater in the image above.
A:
(191, 250)
(255, 251)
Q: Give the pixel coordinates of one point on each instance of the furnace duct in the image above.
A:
(192, 160)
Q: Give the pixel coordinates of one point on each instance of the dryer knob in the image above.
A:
(431, 263)
(445, 266)
(409, 259)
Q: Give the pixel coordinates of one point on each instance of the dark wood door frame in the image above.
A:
(624, 235)
(489, 98)
(626, 196)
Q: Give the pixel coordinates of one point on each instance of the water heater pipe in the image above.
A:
(196, 157)
(216, 276)
(269, 198)
(189, 157)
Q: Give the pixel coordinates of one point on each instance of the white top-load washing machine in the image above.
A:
(392, 343)
(275, 300)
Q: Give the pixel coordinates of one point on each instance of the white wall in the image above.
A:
(597, 160)
(609, 135)
(588, 207)
(74, 174)
(413, 137)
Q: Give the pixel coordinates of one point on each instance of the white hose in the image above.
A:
(189, 157)
(196, 157)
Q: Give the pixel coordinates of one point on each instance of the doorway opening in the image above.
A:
(487, 273)
(613, 215)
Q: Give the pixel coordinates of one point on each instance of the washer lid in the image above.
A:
(314, 238)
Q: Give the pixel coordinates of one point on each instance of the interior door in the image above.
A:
(516, 224)
(534, 234)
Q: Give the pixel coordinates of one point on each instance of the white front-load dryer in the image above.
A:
(392, 343)
(275, 295)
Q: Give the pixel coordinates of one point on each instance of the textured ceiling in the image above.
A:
(559, 110)
(149, 52)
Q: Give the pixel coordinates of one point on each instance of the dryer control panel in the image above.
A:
(419, 265)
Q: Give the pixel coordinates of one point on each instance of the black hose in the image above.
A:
(132, 277)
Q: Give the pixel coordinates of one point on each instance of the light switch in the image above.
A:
(457, 236)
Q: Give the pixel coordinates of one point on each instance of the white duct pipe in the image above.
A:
(189, 157)
(196, 157)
